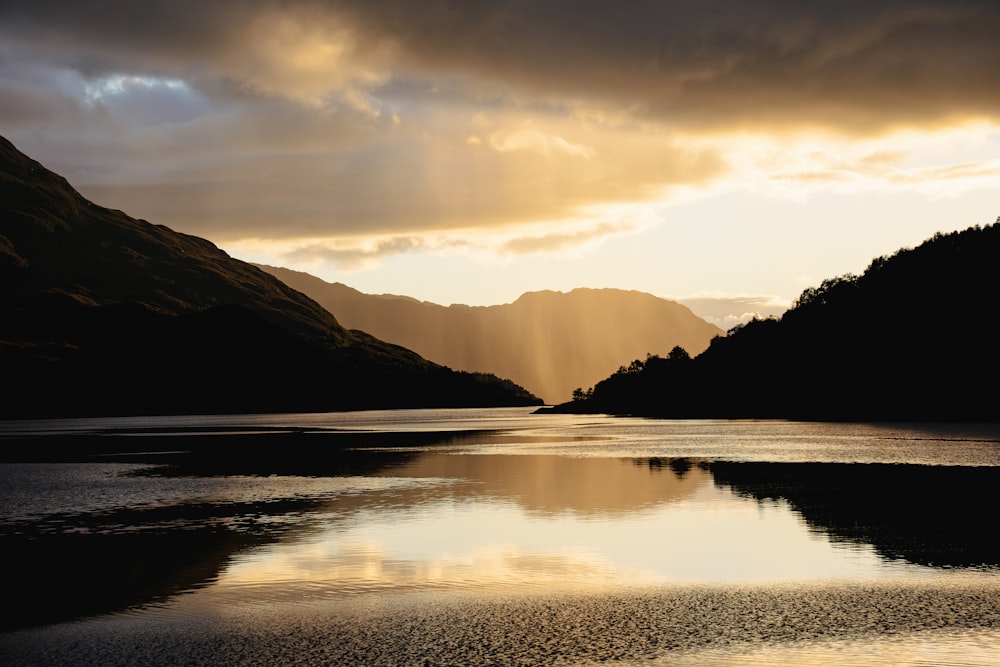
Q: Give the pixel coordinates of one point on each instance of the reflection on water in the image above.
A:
(712, 537)
(549, 485)
(921, 514)
(546, 521)
(329, 517)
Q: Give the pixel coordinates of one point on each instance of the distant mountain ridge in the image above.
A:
(549, 342)
(101, 313)
(897, 343)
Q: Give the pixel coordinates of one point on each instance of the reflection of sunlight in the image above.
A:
(712, 537)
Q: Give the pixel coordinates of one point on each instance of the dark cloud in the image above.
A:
(97, 37)
(851, 63)
(33, 95)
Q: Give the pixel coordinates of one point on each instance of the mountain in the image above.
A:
(101, 313)
(549, 342)
(899, 342)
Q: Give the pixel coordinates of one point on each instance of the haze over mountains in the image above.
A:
(101, 313)
(549, 342)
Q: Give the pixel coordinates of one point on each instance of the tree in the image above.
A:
(678, 354)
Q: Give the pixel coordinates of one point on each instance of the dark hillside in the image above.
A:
(896, 343)
(101, 313)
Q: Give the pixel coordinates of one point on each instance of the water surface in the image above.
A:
(498, 537)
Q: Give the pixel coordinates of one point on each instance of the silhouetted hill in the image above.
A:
(101, 313)
(899, 342)
(549, 342)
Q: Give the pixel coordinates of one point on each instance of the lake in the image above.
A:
(497, 537)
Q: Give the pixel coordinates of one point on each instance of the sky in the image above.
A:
(725, 153)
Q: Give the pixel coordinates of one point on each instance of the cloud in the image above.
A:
(727, 311)
(352, 258)
(558, 241)
(949, 178)
(966, 175)
(932, 162)
(852, 64)
(343, 119)
(278, 169)
(856, 65)
(533, 139)
(147, 100)
(360, 253)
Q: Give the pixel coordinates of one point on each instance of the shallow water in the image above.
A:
(498, 537)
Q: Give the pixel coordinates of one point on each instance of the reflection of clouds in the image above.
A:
(359, 566)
